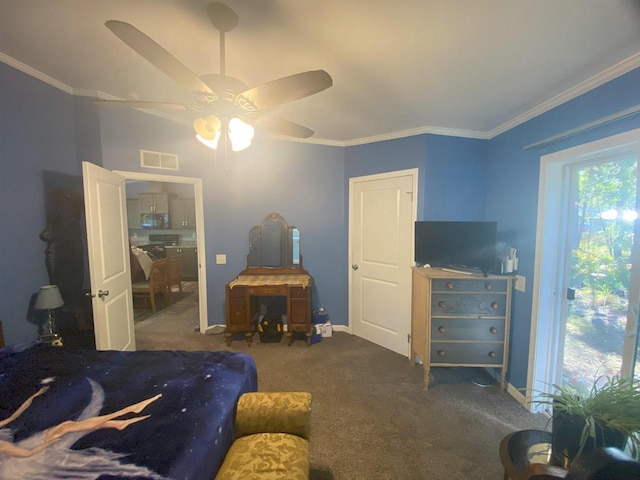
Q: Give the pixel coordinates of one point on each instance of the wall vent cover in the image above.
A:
(164, 161)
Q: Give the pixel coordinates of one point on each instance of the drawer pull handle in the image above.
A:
(493, 330)
(441, 304)
(492, 354)
(488, 286)
(449, 285)
(495, 305)
(441, 329)
(441, 353)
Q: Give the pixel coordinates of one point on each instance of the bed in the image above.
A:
(103, 414)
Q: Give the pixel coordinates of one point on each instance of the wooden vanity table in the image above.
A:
(274, 268)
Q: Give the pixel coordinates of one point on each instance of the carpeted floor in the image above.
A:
(371, 418)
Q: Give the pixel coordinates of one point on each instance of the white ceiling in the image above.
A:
(462, 67)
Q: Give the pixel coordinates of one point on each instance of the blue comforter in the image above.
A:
(142, 415)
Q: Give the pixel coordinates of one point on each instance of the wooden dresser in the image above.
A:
(460, 320)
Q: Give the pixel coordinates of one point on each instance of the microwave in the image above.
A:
(154, 220)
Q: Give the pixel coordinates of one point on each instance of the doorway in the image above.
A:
(382, 215)
(193, 189)
(586, 286)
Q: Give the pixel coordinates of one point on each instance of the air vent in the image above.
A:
(164, 161)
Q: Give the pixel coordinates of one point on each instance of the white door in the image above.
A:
(109, 264)
(381, 221)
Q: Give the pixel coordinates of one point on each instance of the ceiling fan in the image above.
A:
(229, 107)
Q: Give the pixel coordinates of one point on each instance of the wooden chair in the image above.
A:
(157, 283)
(174, 274)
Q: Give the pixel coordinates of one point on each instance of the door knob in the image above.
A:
(354, 266)
(103, 293)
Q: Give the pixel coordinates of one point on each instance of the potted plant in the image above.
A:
(608, 415)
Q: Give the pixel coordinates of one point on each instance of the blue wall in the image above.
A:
(36, 136)
(446, 167)
(513, 180)
(301, 182)
(45, 130)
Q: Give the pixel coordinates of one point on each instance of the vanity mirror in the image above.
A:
(274, 244)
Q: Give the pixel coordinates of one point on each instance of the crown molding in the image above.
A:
(452, 132)
(24, 68)
(620, 68)
(390, 136)
(597, 80)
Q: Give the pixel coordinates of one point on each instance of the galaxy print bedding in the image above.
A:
(105, 415)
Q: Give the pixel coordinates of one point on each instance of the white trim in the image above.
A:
(414, 174)
(597, 80)
(517, 394)
(200, 243)
(24, 68)
(547, 269)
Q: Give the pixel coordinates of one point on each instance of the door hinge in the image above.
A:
(408, 338)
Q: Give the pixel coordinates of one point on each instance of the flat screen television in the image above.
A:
(469, 245)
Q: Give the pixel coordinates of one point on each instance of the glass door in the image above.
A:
(600, 301)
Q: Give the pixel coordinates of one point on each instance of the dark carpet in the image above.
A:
(371, 417)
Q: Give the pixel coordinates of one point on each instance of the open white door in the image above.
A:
(382, 214)
(109, 264)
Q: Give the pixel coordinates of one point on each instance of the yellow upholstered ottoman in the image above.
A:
(272, 437)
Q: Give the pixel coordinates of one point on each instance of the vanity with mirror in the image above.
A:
(274, 268)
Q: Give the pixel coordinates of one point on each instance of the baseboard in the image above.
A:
(511, 390)
(518, 395)
(215, 329)
(220, 328)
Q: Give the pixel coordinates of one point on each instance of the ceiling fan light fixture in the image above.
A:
(208, 130)
(240, 133)
(212, 144)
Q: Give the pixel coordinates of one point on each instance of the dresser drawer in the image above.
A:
(488, 330)
(469, 285)
(298, 292)
(268, 290)
(443, 353)
(468, 304)
(237, 292)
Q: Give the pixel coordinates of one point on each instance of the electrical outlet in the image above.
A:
(221, 259)
(520, 283)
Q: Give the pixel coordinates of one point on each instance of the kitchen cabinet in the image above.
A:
(189, 260)
(459, 320)
(182, 212)
(133, 213)
(154, 202)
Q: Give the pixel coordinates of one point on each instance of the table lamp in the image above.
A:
(48, 299)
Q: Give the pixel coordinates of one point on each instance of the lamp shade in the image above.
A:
(208, 130)
(48, 297)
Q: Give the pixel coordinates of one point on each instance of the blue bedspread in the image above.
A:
(182, 434)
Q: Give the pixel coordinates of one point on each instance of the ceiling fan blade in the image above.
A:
(157, 55)
(279, 126)
(141, 104)
(287, 89)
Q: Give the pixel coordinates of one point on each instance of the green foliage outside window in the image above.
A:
(602, 257)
